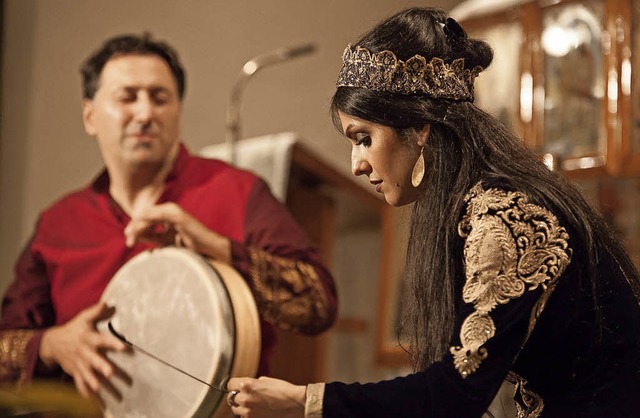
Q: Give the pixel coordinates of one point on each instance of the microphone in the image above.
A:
(274, 57)
(251, 67)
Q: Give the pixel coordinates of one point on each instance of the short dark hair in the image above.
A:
(129, 45)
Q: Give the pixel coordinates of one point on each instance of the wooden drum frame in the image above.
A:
(196, 314)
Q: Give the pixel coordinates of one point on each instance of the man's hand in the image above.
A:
(168, 224)
(79, 349)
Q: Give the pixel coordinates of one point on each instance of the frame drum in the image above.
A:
(195, 314)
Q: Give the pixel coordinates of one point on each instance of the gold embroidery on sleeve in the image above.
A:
(511, 246)
(13, 355)
(528, 403)
(314, 400)
(289, 294)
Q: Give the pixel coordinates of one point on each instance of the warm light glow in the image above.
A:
(612, 91)
(550, 161)
(558, 41)
(526, 97)
(626, 77)
(583, 163)
(250, 67)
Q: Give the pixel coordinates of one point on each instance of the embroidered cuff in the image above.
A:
(14, 357)
(313, 403)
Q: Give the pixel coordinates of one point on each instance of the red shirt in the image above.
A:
(79, 245)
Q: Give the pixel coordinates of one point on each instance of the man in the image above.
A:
(152, 192)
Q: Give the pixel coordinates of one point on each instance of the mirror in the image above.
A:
(495, 86)
(574, 82)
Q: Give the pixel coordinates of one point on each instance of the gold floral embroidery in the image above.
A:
(289, 294)
(528, 403)
(13, 355)
(511, 246)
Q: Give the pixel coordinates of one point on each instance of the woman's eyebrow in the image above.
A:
(349, 128)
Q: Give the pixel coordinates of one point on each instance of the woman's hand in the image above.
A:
(266, 398)
(168, 224)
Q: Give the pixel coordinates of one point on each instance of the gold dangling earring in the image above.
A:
(418, 170)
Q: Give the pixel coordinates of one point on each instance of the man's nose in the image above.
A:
(144, 108)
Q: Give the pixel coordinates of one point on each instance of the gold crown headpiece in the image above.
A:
(382, 71)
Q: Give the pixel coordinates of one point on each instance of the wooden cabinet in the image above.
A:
(628, 16)
(313, 198)
(344, 218)
(572, 64)
(576, 95)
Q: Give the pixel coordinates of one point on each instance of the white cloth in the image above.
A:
(267, 156)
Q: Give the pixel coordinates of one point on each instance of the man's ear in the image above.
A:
(87, 116)
(423, 134)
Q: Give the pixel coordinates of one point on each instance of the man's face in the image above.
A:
(135, 113)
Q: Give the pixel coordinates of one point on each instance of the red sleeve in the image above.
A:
(293, 289)
(26, 311)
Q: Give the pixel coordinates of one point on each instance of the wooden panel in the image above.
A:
(532, 76)
(621, 16)
(389, 353)
(615, 108)
(310, 171)
(297, 358)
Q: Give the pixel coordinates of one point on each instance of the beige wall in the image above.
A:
(44, 150)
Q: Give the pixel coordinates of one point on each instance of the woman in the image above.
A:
(515, 277)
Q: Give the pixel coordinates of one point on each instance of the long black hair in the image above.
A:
(465, 145)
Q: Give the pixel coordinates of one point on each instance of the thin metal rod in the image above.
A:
(145, 352)
(248, 70)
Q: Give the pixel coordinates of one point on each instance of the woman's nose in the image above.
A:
(359, 166)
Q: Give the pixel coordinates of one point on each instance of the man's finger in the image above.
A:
(81, 386)
(165, 212)
(87, 377)
(96, 311)
(101, 365)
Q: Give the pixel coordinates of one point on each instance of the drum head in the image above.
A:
(174, 305)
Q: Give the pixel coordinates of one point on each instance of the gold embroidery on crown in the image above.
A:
(384, 72)
(511, 246)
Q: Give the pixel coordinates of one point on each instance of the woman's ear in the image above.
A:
(423, 134)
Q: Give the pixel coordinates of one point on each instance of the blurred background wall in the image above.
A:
(44, 151)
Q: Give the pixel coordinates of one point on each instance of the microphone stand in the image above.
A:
(248, 70)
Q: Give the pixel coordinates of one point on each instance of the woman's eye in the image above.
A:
(363, 139)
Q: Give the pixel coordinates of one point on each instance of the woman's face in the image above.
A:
(379, 152)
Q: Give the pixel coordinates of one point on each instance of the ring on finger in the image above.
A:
(231, 398)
